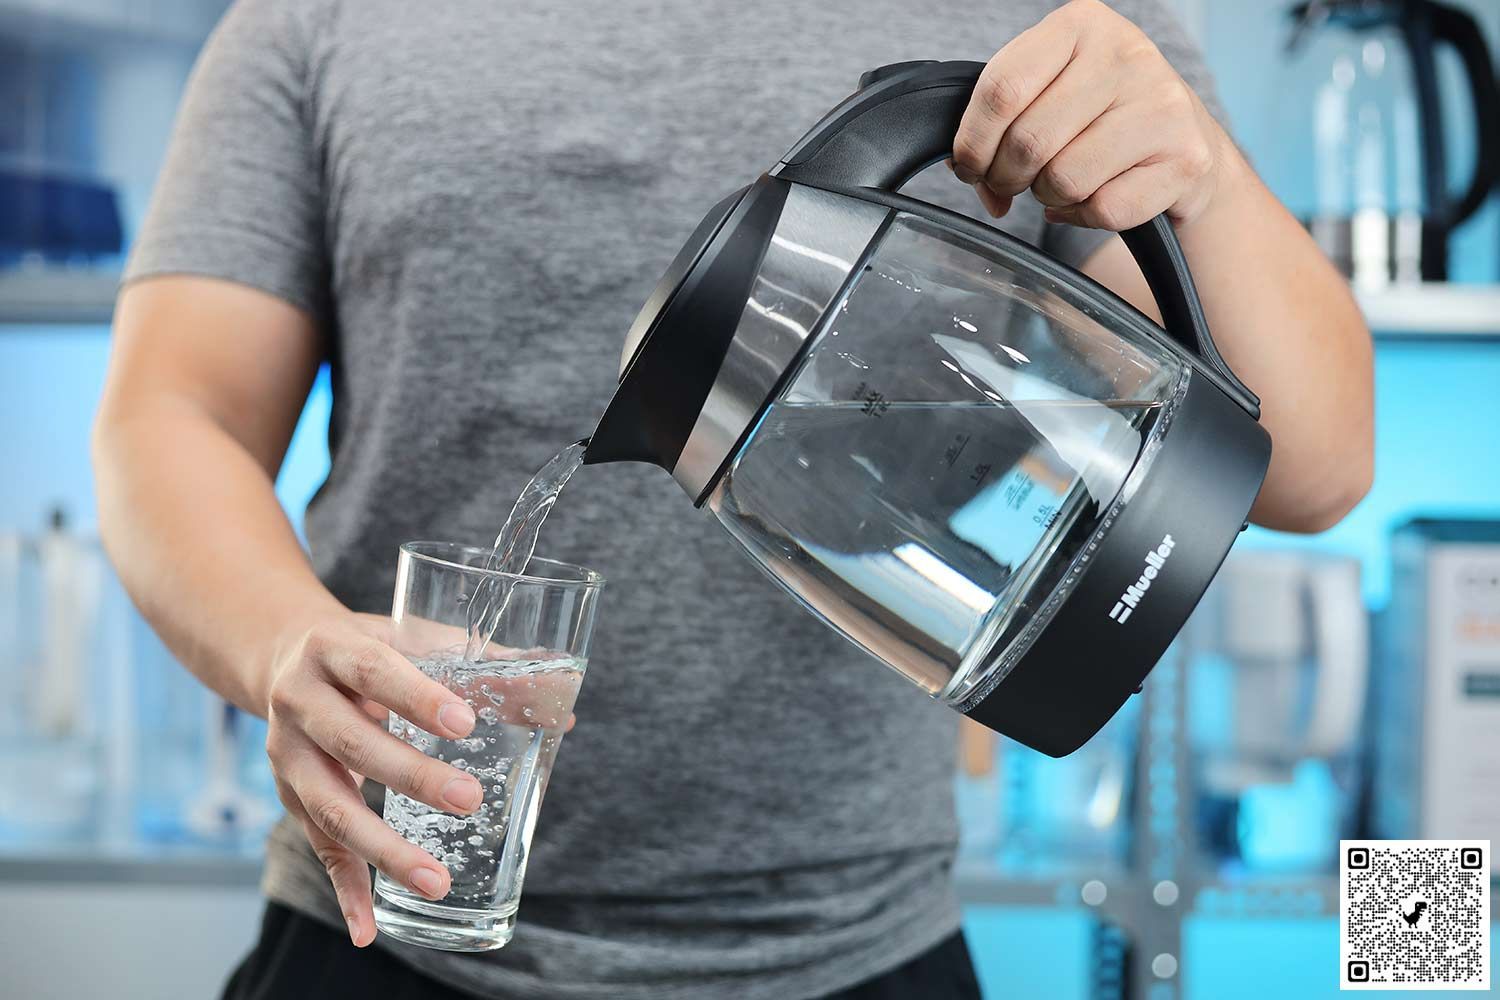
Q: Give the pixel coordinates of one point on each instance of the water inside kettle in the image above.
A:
(923, 530)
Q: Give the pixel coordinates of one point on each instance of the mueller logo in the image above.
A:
(1155, 560)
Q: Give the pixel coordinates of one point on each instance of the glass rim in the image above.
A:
(576, 576)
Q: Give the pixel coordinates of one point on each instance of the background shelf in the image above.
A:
(202, 867)
(1433, 310)
(55, 296)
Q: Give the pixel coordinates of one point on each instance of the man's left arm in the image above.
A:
(1087, 113)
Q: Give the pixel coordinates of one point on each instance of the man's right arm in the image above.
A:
(206, 381)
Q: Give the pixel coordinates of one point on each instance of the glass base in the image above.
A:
(418, 921)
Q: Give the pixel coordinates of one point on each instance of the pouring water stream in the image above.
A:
(515, 544)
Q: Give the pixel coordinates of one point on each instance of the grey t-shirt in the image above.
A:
(474, 198)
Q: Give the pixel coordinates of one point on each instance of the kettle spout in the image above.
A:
(628, 432)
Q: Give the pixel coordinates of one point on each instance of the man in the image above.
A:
(461, 205)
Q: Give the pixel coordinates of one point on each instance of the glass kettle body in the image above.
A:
(980, 467)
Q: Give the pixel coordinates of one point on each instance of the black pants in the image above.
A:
(298, 957)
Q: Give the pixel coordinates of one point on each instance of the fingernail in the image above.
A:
(463, 793)
(456, 717)
(353, 923)
(428, 882)
(965, 174)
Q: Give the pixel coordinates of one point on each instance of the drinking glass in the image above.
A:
(521, 687)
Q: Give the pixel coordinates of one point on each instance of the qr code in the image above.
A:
(1414, 914)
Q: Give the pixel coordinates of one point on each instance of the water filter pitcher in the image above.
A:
(978, 465)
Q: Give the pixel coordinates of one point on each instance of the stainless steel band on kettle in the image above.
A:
(818, 241)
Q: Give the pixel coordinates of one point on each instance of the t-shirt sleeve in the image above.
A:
(240, 196)
(1074, 244)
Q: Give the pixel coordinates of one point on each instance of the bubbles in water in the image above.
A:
(469, 845)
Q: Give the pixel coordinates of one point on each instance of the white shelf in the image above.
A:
(1436, 310)
(1432, 310)
(145, 866)
(47, 296)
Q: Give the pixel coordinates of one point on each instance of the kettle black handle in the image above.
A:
(903, 119)
(1458, 29)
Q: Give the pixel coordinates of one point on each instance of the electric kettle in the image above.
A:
(969, 459)
(1360, 84)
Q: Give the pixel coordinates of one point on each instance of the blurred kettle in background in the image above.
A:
(1278, 661)
(1360, 88)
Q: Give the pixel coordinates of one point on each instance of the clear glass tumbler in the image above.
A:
(522, 688)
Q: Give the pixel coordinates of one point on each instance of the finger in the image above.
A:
(1112, 144)
(369, 668)
(1136, 196)
(1070, 104)
(351, 883)
(365, 747)
(993, 203)
(349, 875)
(1010, 82)
(327, 792)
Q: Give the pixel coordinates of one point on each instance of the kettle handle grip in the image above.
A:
(903, 118)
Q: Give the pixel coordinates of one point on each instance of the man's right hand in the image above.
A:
(326, 686)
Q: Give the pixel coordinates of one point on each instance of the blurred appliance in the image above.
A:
(106, 743)
(201, 776)
(1435, 746)
(226, 809)
(1361, 90)
(59, 219)
(1068, 814)
(65, 691)
(1278, 658)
